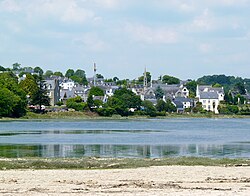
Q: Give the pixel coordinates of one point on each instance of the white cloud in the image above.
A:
(9, 6)
(204, 22)
(205, 48)
(69, 11)
(151, 35)
(90, 41)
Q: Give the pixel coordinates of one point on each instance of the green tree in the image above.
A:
(8, 102)
(76, 103)
(123, 100)
(240, 88)
(58, 73)
(159, 93)
(149, 108)
(10, 82)
(69, 73)
(170, 107)
(161, 106)
(191, 86)
(2, 68)
(100, 76)
(115, 79)
(16, 66)
(38, 70)
(48, 73)
(29, 85)
(96, 91)
(40, 97)
(170, 80)
(80, 73)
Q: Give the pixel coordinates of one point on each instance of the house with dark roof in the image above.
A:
(181, 103)
(210, 97)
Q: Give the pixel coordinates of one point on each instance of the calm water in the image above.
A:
(126, 138)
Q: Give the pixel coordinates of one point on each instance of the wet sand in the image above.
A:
(163, 180)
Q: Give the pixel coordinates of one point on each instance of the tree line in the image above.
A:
(15, 95)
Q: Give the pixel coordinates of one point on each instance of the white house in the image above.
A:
(67, 84)
(210, 97)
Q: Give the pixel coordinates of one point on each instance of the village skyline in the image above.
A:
(186, 39)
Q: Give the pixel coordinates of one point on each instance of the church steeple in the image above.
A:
(145, 82)
(94, 74)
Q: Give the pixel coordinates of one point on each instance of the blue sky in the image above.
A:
(184, 38)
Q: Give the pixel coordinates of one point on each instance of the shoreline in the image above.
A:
(157, 180)
(91, 163)
(90, 116)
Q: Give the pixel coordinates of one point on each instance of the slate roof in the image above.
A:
(209, 95)
(178, 104)
(183, 99)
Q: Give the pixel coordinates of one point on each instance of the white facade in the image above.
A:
(67, 85)
(210, 97)
(210, 105)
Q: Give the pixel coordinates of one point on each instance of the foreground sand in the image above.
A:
(164, 180)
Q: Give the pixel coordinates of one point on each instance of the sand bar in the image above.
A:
(160, 180)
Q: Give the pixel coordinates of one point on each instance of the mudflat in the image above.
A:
(156, 180)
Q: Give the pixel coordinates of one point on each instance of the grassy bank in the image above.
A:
(108, 163)
(90, 115)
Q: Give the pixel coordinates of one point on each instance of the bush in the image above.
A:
(106, 111)
(76, 103)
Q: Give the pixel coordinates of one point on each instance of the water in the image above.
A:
(152, 138)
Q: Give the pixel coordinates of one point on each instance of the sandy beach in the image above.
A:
(160, 180)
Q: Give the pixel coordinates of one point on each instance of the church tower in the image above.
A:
(94, 74)
(145, 82)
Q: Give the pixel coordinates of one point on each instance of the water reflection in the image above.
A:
(137, 151)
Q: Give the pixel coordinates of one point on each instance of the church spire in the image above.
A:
(145, 82)
(94, 74)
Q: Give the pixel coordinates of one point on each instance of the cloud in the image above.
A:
(152, 35)
(205, 48)
(9, 6)
(90, 41)
(67, 11)
(205, 21)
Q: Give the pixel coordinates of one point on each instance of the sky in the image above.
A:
(182, 38)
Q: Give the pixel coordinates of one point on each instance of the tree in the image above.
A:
(79, 80)
(29, 85)
(16, 66)
(80, 73)
(11, 90)
(8, 101)
(170, 80)
(170, 107)
(58, 73)
(115, 79)
(240, 88)
(159, 93)
(96, 91)
(69, 73)
(100, 76)
(161, 106)
(149, 108)
(40, 97)
(38, 70)
(123, 100)
(76, 103)
(2, 68)
(191, 86)
(48, 73)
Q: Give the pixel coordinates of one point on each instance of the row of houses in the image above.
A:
(61, 90)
